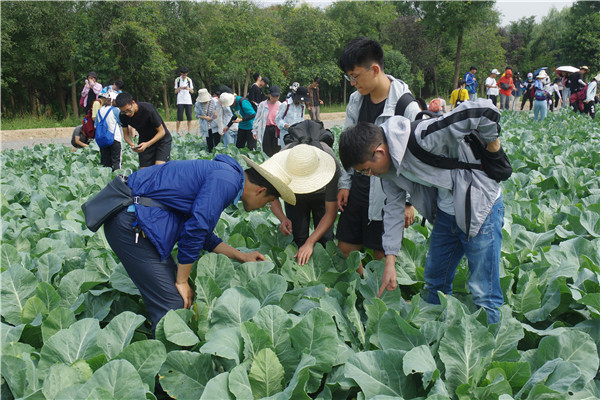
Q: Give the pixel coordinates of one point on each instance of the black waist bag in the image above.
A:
(106, 204)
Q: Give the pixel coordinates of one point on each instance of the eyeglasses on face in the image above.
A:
(368, 171)
(354, 78)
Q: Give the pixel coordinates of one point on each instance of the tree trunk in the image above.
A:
(32, 102)
(457, 61)
(61, 96)
(166, 101)
(74, 102)
(246, 82)
(435, 86)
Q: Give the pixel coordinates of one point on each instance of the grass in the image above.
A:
(30, 122)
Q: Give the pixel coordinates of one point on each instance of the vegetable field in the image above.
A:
(74, 327)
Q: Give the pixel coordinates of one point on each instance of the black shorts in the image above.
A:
(354, 227)
(159, 151)
(188, 111)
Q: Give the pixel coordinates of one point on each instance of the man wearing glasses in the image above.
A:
(360, 196)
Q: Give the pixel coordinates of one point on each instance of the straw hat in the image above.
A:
(203, 96)
(301, 169)
(542, 75)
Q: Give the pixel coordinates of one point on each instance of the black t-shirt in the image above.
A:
(361, 184)
(315, 96)
(146, 121)
(255, 94)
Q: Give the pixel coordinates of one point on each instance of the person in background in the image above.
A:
(90, 92)
(264, 126)
(224, 115)
(291, 112)
(589, 105)
(154, 140)
(540, 103)
(527, 95)
(554, 95)
(243, 114)
(459, 95)
(517, 91)
(111, 156)
(492, 87)
(79, 139)
(471, 83)
(506, 85)
(184, 87)
(255, 94)
(293, 87)
(206, 114)
(314, 105)
(437, 106)
(117, 86)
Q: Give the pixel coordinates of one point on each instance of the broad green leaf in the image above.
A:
(225, 342)
(120, 280)
(266, 374)
(177, 331)
(239, 384)
(118, 333)
(20, 374)
(420, 360)
(118, 378)
(250, 271)
(516, 373)
(379, 372)
(78, 342)
(17, 285)
(207, 290)
(60, 377)
(369, 286)
(34, 306)
(465, 349)
(185, 372)
(146, 356)
(508, 335)
(395, 333)
(58, 319)
(592, 302)
(217, 388)
(9, 334)
(268, 288)
(235, 306)
(76, 282)
(218, 267)
(331, 306)
(49, 296)
(255, 339)
(355, 317)
(316, 335)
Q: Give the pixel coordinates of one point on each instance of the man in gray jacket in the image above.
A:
(465, 205)
(361, 198)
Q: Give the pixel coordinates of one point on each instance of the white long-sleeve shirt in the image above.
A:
(591, 90)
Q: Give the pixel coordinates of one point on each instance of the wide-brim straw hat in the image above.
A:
(542, 75)
(301, 169)
(275, 178)
(203, 96)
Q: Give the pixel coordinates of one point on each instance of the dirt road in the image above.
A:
(18, 139)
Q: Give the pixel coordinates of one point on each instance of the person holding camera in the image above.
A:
(90, 91)
(184, 87)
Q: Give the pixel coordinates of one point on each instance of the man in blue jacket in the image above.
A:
(243, 114)
(188, 198)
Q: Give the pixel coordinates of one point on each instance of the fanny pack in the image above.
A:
(111, 200)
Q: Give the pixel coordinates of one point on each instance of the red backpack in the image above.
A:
(87, 123)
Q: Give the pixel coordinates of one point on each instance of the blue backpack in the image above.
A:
(104, 137)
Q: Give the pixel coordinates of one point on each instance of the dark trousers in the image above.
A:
(111, 156)
(212, 140)
(493, 98)
(244, 138)
(270, 142)
(589, 108)
(526, 97)
(307, 204)
(155, 279)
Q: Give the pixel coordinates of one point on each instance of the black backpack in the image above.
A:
(308, 132)
(496, 165)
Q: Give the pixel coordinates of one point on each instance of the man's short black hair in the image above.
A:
(120, 84)
(123, 99)
(357, 143)
(184, 70)
(473, 68)
(317, 79)
(361, 52)
(255, 76)
(258, 179)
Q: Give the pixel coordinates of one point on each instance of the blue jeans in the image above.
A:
(473, 96)
(229, 137)
(447, 246)
(540, 109)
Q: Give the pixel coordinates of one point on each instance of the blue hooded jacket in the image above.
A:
(198, 191)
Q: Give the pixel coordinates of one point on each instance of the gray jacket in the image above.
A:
(473, 192)
(397, 89)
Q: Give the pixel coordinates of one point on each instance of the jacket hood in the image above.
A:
(397, 132)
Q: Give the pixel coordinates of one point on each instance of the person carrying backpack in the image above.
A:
(527, 96)
(465, 205)
(243, 114)
(459, 95)
(291, 112)
(471, 83)
(109, 133)
(312, 143)
(540, 95)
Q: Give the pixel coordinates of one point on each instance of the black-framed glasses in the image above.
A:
(354, 78)
(368, 171)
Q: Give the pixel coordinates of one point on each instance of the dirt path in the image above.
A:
(20, 138)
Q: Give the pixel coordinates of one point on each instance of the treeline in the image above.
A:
(49, 47)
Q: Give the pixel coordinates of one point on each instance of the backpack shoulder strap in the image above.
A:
(403, 102)
(286, 110)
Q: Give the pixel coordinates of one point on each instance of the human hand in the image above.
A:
(186, 292)
(388, 281)
(141, 147)
(342, 198)
(320, 101)
(286, 227)
(238, 120)
(304, 253)
(255, 136)
(225, 130)
(252, 256)
(409, 215)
